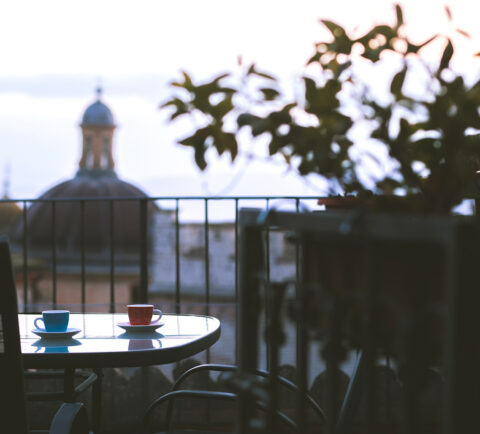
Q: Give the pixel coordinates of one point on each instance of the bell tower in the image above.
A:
(97, 134)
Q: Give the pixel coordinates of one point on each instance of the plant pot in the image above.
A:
(389, 290)
(379, 203)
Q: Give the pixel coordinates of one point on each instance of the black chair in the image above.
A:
(71, 417)
(210, 420)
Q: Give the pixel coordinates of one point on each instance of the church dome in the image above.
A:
(63, 222)
(79, 213)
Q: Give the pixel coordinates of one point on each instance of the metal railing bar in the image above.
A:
(25, 257)
(207, 258)
(157, 198)
(143, 251)
(82, 253)
(207, 266)
(301, 345)
(177, 257)
(112, 256)
(267, 284)
(297, 247)
(54, 255)
(236, 274)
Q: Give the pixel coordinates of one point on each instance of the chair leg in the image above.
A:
(97, 401)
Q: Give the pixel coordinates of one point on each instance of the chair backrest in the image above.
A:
(396, 286)
(12, 394)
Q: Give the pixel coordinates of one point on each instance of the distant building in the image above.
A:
(57, 233)
(192, 256)
(62, 225)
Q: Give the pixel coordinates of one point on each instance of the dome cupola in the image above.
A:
(98, 113)
(97, 133)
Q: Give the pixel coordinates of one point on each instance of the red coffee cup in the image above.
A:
(141, 314)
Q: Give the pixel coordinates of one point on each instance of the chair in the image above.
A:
(71, 417)
(399, 290)
(209, 397)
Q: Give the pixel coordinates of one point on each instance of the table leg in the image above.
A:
(97, 401)
(68, 385)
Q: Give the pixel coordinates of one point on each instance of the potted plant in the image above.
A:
(427, 130)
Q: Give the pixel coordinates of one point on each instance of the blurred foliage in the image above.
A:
(435, 129)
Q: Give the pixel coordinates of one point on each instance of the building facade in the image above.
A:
(73, 227)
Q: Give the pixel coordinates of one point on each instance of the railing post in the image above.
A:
(252, 258)
(82, 255)
(177, 257)
(237, 283)
(54, 255)
(143, 293)
(112, 255)
(25, 257)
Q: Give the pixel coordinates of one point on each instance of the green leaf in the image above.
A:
(259, 126)
(200, 157)
(343, 67)
(447, 56)
(254, 71)
(413, 48)
(245, 119)
(231, 144)
(280, 117)
(399, 12)
(314, 58)
(221, 77)
(335, 29)
(180, 106)
(381, 29)
(188, 84)
(372, 54)
(222, 108)
(384, 30)
(397, 82)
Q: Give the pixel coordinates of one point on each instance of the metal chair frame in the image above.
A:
(71, 417)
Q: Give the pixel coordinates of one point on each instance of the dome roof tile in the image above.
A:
(98, 114)
(96, 225)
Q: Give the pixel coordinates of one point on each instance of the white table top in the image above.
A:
(101, 343)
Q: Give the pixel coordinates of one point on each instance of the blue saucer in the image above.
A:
(56, 335)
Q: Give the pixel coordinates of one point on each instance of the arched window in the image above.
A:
(88, 153)
(105, 154)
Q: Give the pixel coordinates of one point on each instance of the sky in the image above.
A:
(54, 53)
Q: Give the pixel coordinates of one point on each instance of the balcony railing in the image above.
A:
(99, 254)
(179, 253)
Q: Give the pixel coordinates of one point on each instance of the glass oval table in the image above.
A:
(102, 343)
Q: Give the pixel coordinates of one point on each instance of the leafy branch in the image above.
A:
(429, 134)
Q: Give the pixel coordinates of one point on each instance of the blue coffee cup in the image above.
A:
(53, 320)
